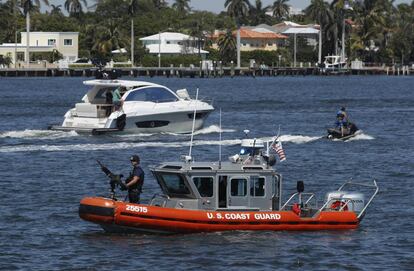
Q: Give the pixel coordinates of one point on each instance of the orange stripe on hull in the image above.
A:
(153, 218)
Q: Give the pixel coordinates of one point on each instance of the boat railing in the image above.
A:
(159, 200)
(304, 198)
(347, 200)
(373, 185)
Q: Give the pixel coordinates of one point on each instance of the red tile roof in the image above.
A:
(250, 34)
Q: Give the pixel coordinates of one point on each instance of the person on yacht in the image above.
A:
(108, 101)
(116, 99)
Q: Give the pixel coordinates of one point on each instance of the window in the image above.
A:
(204, 186)
(175, 184)
(20, 56)
(270, 44)
(67, 42)
(257, 186)
(238, 187)
(151, 94)
(51, 42)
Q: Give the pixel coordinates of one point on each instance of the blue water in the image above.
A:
(45, 174)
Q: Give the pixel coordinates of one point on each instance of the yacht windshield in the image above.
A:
(151, 94)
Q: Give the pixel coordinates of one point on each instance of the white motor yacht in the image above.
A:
(334, 62)
(146, 108)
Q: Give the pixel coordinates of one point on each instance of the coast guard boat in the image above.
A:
(244, 193)
(147, 108)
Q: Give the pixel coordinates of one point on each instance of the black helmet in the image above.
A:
(342, 108)
(134, 158)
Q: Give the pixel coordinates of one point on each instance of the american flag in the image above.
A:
(277, 146)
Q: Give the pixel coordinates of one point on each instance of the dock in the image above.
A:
(193, 72)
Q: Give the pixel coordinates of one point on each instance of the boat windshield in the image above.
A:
(151, 94)
(174, 185)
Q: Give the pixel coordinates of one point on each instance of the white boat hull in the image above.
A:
(179, 122)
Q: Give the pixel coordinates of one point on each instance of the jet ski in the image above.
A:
(343, 134)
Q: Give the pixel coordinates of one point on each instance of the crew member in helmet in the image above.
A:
(135, 181)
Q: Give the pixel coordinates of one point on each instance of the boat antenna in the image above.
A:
(220, 141)
(192, 130)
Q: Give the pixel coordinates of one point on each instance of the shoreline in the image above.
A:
(202, 73)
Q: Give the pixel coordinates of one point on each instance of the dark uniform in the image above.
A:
(135, 190)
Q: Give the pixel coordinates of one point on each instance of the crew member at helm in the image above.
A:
(135, 181)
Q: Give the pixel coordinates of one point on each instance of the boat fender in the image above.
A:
(121, 122)
(336, 205)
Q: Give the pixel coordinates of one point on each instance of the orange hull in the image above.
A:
(123, 216)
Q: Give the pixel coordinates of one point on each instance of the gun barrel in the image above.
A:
(104, 169)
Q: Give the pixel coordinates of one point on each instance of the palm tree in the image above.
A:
(29, 5)
(159, 4)
(74, 7)
(182, 6)
(319, 11)
(56, 10)
(258, 14)
(281, 9)
(227, 45)
(132, 10)
(237, 9)
(108, 38)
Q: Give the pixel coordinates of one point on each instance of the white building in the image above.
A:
(66, 43)
(170, 43)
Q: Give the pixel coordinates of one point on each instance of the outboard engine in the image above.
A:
(338, 199)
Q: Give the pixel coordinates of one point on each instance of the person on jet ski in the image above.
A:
(342, 122)
(342, 113)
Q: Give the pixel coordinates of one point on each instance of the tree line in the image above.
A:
(376, 31)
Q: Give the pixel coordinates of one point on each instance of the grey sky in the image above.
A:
(218, 5)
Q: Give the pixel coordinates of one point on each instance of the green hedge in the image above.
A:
(122, 65)
(268, 58)
(167, 61)
(80, 66)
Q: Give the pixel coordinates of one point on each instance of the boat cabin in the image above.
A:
(246, 182)
(96, 101)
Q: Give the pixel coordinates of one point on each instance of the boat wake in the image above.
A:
(207, 130)
(39, 134)
(296, 139)
(112, 146)
(361, 136)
